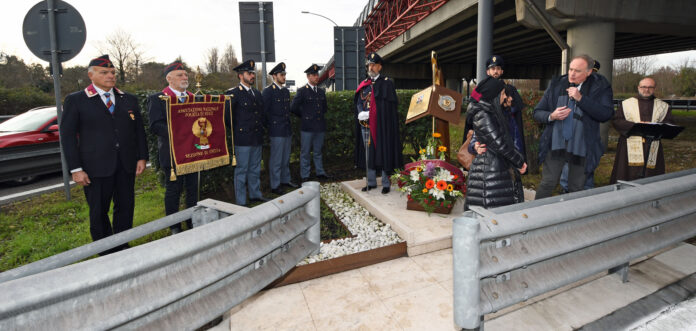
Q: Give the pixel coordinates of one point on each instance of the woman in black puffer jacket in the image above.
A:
(494, 176)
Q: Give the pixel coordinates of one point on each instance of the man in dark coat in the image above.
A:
(643, 108)
(177, 78)
(376, 103)
(248, 129)
(105, 147)
(310, 105)
(494, 175)
(572, 108)
(276, 106)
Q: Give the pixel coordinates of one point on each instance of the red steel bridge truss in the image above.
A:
(389, 19)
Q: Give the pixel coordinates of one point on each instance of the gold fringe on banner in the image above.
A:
(201, 165)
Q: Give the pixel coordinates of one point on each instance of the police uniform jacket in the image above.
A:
(310, 106)
(95, 139)
(248, 119)
(276, 106)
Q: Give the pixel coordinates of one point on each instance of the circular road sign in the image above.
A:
(70, 31)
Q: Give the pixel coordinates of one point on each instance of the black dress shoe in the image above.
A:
(385, 190)
(278, 191)
(290, 184)
(262, 199)
(367, 188)
(323, 177)
(304, 179)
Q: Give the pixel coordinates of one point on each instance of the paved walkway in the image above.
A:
(415, 293)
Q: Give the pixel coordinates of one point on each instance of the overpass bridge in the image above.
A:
(404, 32)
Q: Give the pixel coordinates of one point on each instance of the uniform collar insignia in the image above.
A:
(91, 91)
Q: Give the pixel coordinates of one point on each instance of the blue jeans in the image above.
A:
(279, 163)
(313, 141)
(247, 173)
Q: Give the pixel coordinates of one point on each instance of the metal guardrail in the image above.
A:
(29, 160)
(676, 104)
(178, 282)
(507, 255)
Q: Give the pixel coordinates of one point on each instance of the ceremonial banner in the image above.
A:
(197, 133)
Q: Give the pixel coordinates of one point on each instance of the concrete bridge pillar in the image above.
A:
(595, 39)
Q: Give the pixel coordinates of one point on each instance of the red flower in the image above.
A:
(429, 184)
(442, 204)
(441, 185)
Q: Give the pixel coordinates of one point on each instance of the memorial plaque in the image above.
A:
(437, 101)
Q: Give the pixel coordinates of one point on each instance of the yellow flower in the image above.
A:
(419, 169)
(422, 151)
(425, 190)
(442, 149)
(437, 135)
(450, 188)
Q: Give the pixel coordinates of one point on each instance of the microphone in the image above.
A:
(572, 85)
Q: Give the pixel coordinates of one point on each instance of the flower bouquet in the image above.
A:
(432, 185)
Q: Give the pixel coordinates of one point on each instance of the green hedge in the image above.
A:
(14, 101)
(339, 140)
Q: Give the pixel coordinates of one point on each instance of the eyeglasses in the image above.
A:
(646, 87)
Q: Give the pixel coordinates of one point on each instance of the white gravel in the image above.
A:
(369, 232)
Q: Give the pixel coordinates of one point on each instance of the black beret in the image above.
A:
(102, 61)
(279, 68)
(374, 58)
(247, 65)
(176, 65)
(495, 61)
(313, 69)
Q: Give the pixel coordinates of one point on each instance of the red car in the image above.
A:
(29, 145)
(36, 126)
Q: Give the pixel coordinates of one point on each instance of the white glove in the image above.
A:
(363, 115)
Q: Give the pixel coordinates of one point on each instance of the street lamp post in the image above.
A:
(343, 66)
(310, 13)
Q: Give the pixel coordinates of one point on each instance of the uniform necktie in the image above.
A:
(314, 88)
(251, 92)
(568, 121)
(109, 103)
(183, 97)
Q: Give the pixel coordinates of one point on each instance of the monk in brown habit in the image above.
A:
(631, 152)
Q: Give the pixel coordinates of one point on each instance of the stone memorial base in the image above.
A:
(423, 233)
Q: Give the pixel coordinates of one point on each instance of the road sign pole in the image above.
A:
(51, 4)
(263, 46)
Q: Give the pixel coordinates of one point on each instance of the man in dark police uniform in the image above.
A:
(248, 129)
(276, 105)
(376, 102)
(177, 78)
(310, 105)
(104, 144)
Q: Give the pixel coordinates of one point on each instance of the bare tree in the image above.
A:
(125, 53)
(228, 59)
(212, 63)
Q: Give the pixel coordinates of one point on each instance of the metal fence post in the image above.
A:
(314, 211)
(465, 265)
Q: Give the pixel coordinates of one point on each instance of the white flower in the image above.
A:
(443, 174)
(415, 176)
(440, 195)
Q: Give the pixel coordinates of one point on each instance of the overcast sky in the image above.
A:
(167, 29)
